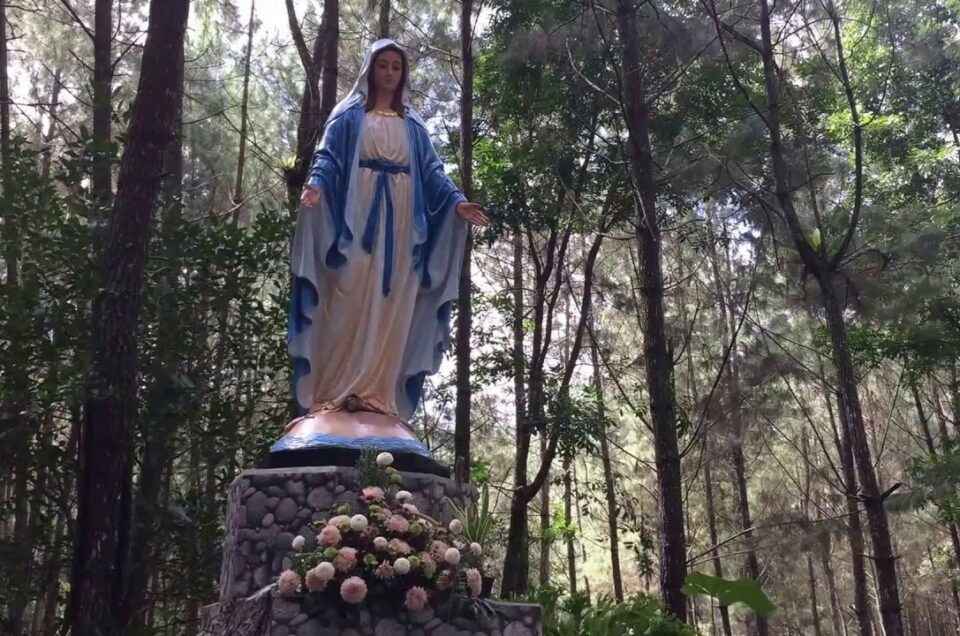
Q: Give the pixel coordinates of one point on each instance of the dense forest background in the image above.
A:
(714, 326)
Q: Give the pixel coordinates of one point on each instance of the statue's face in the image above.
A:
(387, 71)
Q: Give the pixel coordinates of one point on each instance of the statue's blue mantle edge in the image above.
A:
(322, 440)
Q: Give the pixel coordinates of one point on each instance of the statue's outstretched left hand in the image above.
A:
(472, 213)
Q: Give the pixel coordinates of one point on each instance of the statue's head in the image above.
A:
(388, 73)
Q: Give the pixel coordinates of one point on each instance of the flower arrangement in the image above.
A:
(383, 547)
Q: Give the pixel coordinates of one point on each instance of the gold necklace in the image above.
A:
(385, 113)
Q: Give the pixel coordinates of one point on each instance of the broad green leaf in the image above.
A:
(728, 592)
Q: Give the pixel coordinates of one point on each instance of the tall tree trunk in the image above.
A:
(737, 424)
(814, 606)
(316, 103)
(673, 566)
(861, 600)
(15, 449)
(461, 438)
(384, 21)
(568, 518)
(244, 103)
(102, 177)
(823, 269)
(104, 487)
(613, 510)
(883, 557)
(836, 614)
(46, 152)
(544, 563)
(164, 392)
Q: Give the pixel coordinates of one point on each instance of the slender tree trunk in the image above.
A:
(46, 152)
(673, 566)
(103, 490)
(568, 516)
(861, 598)
(823, 270)
(331, 46)
(384, 21)
(464, 300)
(737, 423)
(613, 510)
(244, 103)
(14, 411)
(102, 176)
(836, 615)
(544, 563)
(883, 557)
(814, 606)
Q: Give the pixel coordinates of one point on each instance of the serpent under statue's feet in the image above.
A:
(336, 438)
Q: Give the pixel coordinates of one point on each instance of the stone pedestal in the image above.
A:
(269, 615)
(267, 508)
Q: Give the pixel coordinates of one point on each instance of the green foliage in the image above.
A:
(577, 615)
(478, 520)
(729, 592)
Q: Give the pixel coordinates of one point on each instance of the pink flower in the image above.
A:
(288, 583)
(445, 580)
(314, 581)
(398, 524)
(385, 571)
(329, 536)
(372, 493)
(345, 560)
(428, 565)
(353, 590)
(410, 509)
(474, 581)
(398, 547)
(438, 550)
(416, 599)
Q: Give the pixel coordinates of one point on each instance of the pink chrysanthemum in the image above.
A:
(385, 571)
(372, 493)
(438, 550)
(314, 582)
(345, 560)
(329, 536)
(398, 547)
(353, 590)
(339, 519)
(398, 524)
(288, 582)
(416, 599)
(474, 581)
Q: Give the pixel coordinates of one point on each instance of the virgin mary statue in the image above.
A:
(376, 264)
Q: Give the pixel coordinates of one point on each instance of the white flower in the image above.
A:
(476, 549)
(401, 566)
(325, 571)
(404, 495)
(410, 508)
(380, 543)
(452, 556)
(456, 527)
(384, 459)
(358, 523)
(298, 543)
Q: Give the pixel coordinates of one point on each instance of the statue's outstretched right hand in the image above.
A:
(311, 196)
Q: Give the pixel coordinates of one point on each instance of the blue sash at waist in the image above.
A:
(385, 169)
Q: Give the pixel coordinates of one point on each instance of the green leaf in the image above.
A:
(729, 592)
(815, 240)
